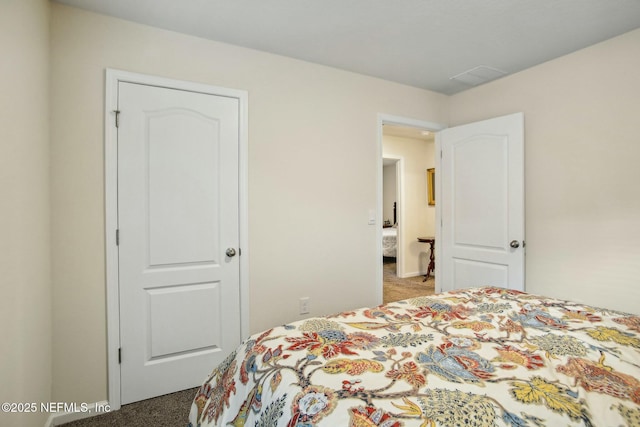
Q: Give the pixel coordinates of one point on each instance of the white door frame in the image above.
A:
(438, 234)
(401, 121)
(113, 77)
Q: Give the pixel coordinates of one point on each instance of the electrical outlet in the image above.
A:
(304, 305)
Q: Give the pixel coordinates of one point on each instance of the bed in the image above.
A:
(390, 242)
(475, 357)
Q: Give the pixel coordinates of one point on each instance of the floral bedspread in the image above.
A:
(475, 357)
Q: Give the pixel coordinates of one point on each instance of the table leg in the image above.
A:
(432, 262)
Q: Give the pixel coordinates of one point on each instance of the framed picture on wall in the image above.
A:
(431, 186)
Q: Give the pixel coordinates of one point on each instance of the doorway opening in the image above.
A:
(407, 150)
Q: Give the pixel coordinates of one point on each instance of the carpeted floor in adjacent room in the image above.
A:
(396, 289)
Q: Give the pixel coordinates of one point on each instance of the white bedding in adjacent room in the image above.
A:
(390, 242)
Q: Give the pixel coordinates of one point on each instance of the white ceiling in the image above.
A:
(421, 43)
(408, 132)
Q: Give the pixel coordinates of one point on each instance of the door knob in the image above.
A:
(514, 244)
(231, 252)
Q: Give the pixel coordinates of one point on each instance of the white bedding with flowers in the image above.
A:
(476, 357)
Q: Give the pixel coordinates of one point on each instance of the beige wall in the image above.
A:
(582, 157)
(25, 299)
(312, 162)
(417, 217)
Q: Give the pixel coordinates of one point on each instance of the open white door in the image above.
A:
(178, 220)
(482, 204)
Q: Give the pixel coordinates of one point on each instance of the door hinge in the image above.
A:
(117, 112)
(240, 251)
(120, 355)
(118, 237)
(440, 153)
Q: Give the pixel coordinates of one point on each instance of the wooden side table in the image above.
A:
(432, 262)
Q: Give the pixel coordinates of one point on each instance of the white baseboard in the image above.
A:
(83, 411)
(413, 274)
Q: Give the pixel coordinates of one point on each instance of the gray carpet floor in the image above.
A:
(169, 410)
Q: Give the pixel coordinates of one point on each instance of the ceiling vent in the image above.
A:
(478, 75)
